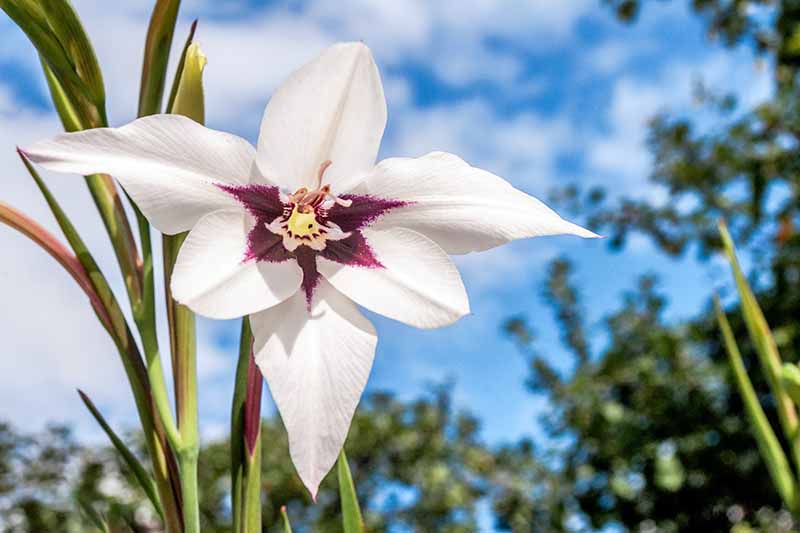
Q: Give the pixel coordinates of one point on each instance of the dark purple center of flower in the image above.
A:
(264, 203)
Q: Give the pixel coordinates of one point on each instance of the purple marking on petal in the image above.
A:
(264, 245)
(363, 211)
(307, 259)
(352, 251)
(261, 201)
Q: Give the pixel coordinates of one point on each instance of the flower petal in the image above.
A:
(316, 367)
(168, 164)
(213, 279)
(417, 283)
(462, 208)
(330, 109)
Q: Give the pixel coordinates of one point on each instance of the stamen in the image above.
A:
(322, 168)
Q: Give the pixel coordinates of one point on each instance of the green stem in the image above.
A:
(237, 427)
(191, 501)
(251, 514)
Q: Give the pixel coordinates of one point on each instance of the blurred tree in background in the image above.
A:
(645, 431)
(417, 465)
(652, 435)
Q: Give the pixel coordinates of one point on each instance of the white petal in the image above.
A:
(462, 208)
(330, 109)
(419, 284)
(211, 279)
(168, 164)
(316, 367)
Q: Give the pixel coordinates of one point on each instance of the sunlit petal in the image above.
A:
(214, 277)
(333, 109)
(316, 367)
(168, 164)
(462, 208)
(416, 281)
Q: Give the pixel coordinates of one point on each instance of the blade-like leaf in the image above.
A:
(97, 278)
(179, 71)
(145, 481)
(69, 31)
(156, 56)
(764, 343)
(92, 515)
(287, 527)
(54, 29)
(771, 451)
(351, 512)
(790, 376)
(66, 112)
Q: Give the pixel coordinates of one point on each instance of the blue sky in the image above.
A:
(541, 93)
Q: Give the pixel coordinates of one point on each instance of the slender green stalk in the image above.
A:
(237, 426)
(189, 489)
(771, 451)
(251, 514)
(251, 497)
(766, 349)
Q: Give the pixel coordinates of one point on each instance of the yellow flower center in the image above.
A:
(303, 224)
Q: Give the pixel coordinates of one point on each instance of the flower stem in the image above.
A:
(237, 427)
(187, 459)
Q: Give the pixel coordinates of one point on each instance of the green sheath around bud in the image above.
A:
(189, 96)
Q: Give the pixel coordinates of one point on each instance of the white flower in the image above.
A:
(299, 231)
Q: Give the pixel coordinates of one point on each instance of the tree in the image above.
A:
(417, 465)
(653, 435)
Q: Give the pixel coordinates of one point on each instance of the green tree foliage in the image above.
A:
(650, 433)
(417, 465)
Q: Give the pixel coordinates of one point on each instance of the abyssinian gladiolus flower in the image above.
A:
(299, 231)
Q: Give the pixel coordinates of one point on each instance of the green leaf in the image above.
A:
(287, 527)
(83, 254)
(768, 444)
(764, 343)
(156, 56)
(351, 512)
(69, 31)
(790, 376)
(92, 515)
(179, 71)
(145, 481)
(66, 111)
(55, 31)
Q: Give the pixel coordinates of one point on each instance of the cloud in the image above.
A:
(619, 152)
(523, 148)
